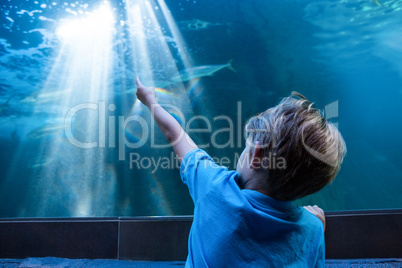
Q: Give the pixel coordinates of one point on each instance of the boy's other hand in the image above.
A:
(145, 94)
(318, 212)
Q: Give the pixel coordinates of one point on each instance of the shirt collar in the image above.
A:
(269, 202)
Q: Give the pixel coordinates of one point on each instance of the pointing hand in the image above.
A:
(145, 94)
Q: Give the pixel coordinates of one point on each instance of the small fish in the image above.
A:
(196, 24)
(38, 162)
(46, 130)
(376, 1)
(201, 71)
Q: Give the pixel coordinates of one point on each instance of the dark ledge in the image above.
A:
(349, 235)
(364, 234)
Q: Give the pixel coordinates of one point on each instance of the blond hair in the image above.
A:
(312, 147)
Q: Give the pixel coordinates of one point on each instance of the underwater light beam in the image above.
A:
(141, 56)
(186, 59)
(87, 29)
(81, 74)
(141, 61)
(163, 52)
(153, 61)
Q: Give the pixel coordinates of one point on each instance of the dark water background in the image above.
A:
(342, 54)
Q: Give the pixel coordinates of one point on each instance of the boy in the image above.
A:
(245, 218)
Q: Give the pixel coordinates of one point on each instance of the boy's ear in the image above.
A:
(256, 159)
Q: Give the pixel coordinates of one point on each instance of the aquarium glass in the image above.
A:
(76, 142)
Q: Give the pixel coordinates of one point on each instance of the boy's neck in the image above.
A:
(256, 185)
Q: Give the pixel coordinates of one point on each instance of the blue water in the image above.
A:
(67, 73)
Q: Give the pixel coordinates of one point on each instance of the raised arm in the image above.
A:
(171, 129)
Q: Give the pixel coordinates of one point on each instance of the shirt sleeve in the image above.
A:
(199, 172)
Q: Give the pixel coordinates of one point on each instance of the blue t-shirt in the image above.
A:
(235, 227)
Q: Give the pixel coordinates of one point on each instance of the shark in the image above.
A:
(45, 97)
(200, 71)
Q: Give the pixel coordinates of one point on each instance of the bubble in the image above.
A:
(43, 6)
